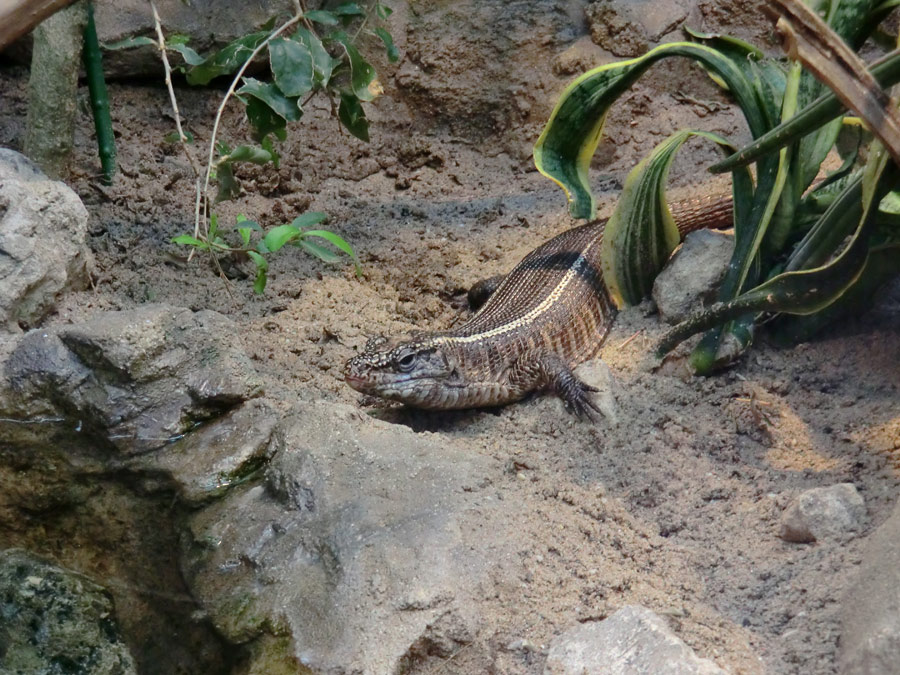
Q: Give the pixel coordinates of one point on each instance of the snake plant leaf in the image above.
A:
(882, 265)
(564, 150)
(641, 233)
(767, 75)
(818, 113)
(808, 291)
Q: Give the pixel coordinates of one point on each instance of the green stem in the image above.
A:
(93, 65)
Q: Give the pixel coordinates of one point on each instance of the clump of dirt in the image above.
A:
(703, 466)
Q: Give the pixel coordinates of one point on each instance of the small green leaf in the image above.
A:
(279, 236)
(227, 60)
(353, 117)
(190, 57)
(362, 74)
(262, 266)
(322, 253)
(245, 234)
(268, 93)
(188, 240)
(321, 16)
(323, 64)
(382, 10)
(128, 43)
(392, 53)
(292, 66)
(247, 153)
(309, 218)
(269, 146)
(337, 242)
(229, 187)
(265, 121)
(172, 137)
(213, 226)
(348, 9)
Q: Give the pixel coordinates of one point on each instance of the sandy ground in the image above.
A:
(676, 507)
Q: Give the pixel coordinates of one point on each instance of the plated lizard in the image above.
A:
(549, 314)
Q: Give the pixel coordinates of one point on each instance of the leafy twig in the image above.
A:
(228, 94)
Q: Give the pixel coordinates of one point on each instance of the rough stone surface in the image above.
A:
(209, 460)
(693, 274)
(830, 512)
(629, 28)
(43, 225)
(870, 611)
(633, 641)
(209, 23)
(56, 621)
(138, 379)
(357, 526)
(471, 64)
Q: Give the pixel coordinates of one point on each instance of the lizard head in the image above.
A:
(413, 370)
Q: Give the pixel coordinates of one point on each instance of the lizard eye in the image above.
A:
(406, 361)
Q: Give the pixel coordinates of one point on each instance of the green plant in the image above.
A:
(301, 64)
(807, 253)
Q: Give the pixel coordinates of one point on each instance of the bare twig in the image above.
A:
(161, 40)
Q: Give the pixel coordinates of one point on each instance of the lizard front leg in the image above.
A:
(547, 371)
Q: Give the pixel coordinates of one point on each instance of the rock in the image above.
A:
(208, 25)
(208, 461)
(629, 27)
(693, 274)
(357, 525)
(137, 379)
(56, 621)
(480, 67)
(821, 513)
(633, 641)
(870, 610)
(43, 225)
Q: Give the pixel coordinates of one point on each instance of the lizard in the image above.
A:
(549, 314)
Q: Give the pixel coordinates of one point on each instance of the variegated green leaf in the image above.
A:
(641, 233)
(564, 150)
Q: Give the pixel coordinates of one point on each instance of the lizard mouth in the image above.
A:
(358, 383)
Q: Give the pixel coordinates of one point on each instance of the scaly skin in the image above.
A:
(549, 314)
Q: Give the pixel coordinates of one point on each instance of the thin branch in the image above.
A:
(161, 41)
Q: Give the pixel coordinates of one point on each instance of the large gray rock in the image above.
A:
(56, 621)
(43, 225)
(828, 512)
(208, 461)
(692, 276)
(138, 379)
(870, 611)
(633, 641)
(353, 547)
(208, 23)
